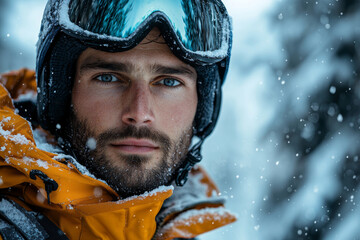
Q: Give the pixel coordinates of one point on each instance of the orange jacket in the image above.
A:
(84, 207)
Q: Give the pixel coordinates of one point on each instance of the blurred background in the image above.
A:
(285, 150)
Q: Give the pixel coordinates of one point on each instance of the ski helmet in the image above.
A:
(197, 31)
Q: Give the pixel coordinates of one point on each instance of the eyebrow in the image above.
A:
(178, 70)
(128, 67)
(99, 64)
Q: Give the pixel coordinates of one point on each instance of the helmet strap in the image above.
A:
(193, 157)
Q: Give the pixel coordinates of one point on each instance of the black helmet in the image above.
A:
(197, 31)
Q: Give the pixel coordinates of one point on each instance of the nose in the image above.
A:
(138, 106)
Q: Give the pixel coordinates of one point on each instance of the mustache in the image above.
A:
(131, 131)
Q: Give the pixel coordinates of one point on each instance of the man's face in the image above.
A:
(132, 114)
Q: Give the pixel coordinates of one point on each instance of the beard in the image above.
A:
(128, 175)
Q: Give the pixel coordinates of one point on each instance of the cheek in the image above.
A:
(180, 114)
(94, 107)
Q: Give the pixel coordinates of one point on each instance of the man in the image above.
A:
(124, 87)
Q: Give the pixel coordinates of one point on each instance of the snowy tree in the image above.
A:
(317, 122)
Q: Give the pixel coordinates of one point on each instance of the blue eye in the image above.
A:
(169, 82)
(107, 78)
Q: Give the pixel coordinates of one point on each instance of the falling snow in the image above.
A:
(276, 153)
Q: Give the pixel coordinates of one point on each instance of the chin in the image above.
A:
(133, 174)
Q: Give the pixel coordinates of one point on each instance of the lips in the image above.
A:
(135, 146)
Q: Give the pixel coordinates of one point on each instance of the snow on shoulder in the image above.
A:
(216, 214)
(7, 134)
(204, 217)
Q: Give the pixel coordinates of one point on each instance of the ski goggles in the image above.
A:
(197, 30)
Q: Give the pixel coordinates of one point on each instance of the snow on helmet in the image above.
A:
(197, 31)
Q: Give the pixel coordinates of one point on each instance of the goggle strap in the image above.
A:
(193, 157)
